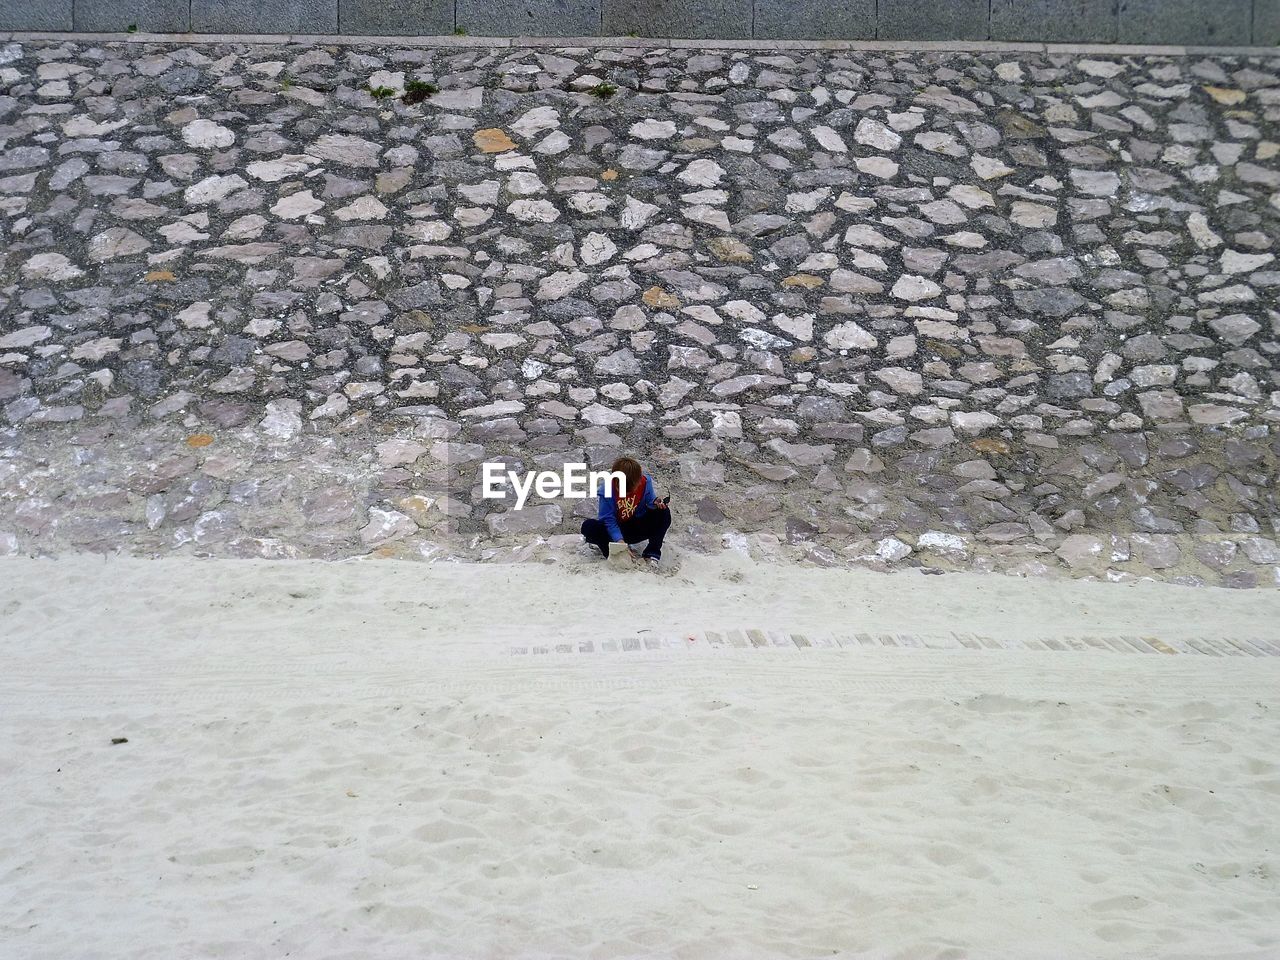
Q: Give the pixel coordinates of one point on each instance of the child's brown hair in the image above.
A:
(630, 469)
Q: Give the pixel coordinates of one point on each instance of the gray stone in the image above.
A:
(532, 519)
(412, 18)
(1053, 301)
(1261, 550)
(149, 16)
(36, 15)
(1185, 21)
(815, 19)
(933, 19)
(1083, 551)
(690, 19)
(1158, 551)
(328, 506)
(385, 526)
(264, 16)
(529, 18)
(1054, 21)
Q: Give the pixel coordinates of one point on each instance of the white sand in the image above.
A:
(362, 771)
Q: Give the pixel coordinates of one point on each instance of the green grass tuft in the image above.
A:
(415, 91)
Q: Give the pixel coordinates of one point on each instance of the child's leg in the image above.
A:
(597, 534)
(652, 527)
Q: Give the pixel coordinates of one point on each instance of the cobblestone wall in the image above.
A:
(1201, 22)
(951, 309)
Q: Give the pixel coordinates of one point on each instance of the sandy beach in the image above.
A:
(954, 363)
(347, 761)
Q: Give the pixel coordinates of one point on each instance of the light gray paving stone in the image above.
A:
(934, 19)
(815, 19)
(36, 15)
(409, 18)
(1185, 21)
(1055, 21)
(148, 16)
(712, 644)
(531, 18)
(264, 16)
(688, 19)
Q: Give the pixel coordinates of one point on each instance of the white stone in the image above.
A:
(828, 139)
(874, 134)
(26, 337)
(525, 183)
(653, 130)
(537, 120)
(392, 79)
(484, 192)
(849, 336)
(196, 316)
(335, 405)
(596, 248)
(880, 167)
(1202, 233)
(989, 168)
(273, 171)
(973, 422)
(602, 416)
(214, 188)
(343, 148)
(50, 266)
(947, 544)
(364, 208)
(385, 526)
(900, 380)
(116, 242)
(1033, 215)
(1236, 328)
(800, 327)
(937, 142)
(557, 285)
(397, 453)
(702, 173)
(636, 213)
(891, 550)
(207, 135)
(1010, 72)
(1213, 414)
(283, 420)
(534, 211)
(1096, 183)
(1233, 261)
(914, 289)
(498, 408)
(297, 205)
(742, 310)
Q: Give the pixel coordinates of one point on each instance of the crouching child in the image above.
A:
(632, 515)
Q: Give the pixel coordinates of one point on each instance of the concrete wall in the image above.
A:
(1195, 22)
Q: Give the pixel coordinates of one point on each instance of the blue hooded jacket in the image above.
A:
(608, 514)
